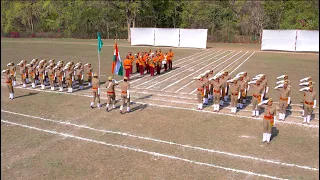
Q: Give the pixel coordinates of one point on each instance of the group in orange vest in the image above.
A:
(148, 61)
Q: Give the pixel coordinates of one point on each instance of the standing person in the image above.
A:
(12, 69)
(89, 72)
(125, 94)
(210, 95)
(227, 78)
(206, 82)
(59, 74)
(137, 62)
(305, 82)
(127, 66)
(69, 78)
(222, 80)
(41, 72)
(158, 64)
(9, 80)
(257, 90)
(141, 64)
(51, 74)
(23, 76)
(284, 99)
(161, 58)
(111, 95)
(268, 119)
(31, 72)
(246, 79)
(145, 60)
(152, 65)
(200, 91)
(165, 62)
(170, 58)
(243, 92)
(95, 90)
(131, 58)
(235, 94)
(79, 75)
(309, 103)
(216, 93)
(264, 83)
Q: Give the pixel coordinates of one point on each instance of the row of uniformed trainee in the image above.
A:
(217, 87)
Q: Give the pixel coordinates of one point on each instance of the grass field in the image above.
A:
(53, 135)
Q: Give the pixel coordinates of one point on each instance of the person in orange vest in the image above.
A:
(152, 62)
(158, 64)
(141, 64)
(161, 58)
(131, 57)
(9, 80)
(127, 66)
(145, 59)
(169, 58)
(137, 62)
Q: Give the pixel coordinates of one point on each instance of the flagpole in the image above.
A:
(99, 61)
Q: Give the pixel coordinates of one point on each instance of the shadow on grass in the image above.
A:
(30, 94)
(139, 107)
(274, 132)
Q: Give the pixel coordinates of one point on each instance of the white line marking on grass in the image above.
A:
(140, 150)
(166, 142)
(205, 61)
(202, 69)
(242, 62)
(208, 52)
(220, 71)
(182, 108)
(181, 67)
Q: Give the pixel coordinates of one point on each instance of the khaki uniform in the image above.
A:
(226, 77)
(264, 83)
(283, 103)
(268, 118)
(216, 91)
(200, 91)
(13, 70)
(111, 96)
(222, 80)
(59, 75)
(210, 86)
(32, 74)
(78, 76)
(206, 86)
(69, 74)
(95, 86)
(41, 73)
(51, 74)
(256, 95)
(246, 79)
(9, 80)
(243, 90)
(234, 89)
(124, 89)
(309, 98)
(89, 72)
(23, 73)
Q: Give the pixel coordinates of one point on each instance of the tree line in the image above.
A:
(226, 21)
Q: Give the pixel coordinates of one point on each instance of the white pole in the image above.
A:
(99, 61)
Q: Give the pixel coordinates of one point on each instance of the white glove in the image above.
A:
(281, 85)
(205, 90)
(261, 97)
(304, 79)
(304, 89)
(98, 91)
(82, 77)
(267, 89)
(289, 100)
(72, 78)
(263, 102)
(128, 94)
(280, 82)
(282, 76)
(248, 88)
(314, 103)
(304, 84)
(226, 89)
(239, 94)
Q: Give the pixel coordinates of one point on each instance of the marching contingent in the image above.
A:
(49, 73)
(210, 87)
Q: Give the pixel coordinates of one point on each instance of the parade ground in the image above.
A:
(56, 135)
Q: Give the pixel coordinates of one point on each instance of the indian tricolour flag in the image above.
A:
(117, 67)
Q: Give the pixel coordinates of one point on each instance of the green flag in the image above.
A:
(100, 43)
